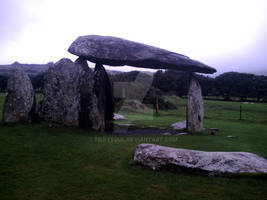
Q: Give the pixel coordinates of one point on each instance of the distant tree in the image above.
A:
(245, 86)
(234, 84)
(261, 87)
(155, 97)
(224, 84)
(38, 82)
(207, 85)
(172, 81)
(125, 76)
(3, 83)
(227, 85)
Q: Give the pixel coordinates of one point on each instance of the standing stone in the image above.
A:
(20, 98)
(104, 93)
(88, 114)
(68, 96)
(60, 101)
(195, 107)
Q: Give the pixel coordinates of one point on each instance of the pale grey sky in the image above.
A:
(229, 35)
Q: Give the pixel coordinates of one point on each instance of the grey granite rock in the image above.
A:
(88, 113)
(60, 101)
(179, 125)
(19, 103)
(117, 117)
(195, 107)
(158, 157)
(115, 51)
(68, 96)
(104, 94)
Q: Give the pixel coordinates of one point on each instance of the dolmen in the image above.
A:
(114, 51)
(205, 163)
(74, 95)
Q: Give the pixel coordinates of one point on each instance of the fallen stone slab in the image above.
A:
(159, 157)
(116, 51)
(179, 125)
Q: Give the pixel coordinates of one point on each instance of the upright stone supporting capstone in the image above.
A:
(88, 114)
(19, 103)
(195, 107)
(68, 96)
(104, 93)
(60, 101)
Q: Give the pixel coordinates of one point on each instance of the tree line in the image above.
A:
(37, 82)
(227, 86)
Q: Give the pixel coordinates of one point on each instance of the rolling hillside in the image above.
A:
(31, 69)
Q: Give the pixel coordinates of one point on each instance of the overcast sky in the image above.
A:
(230, 35)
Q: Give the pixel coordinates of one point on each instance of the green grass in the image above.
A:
(214, 110)
(37, 162)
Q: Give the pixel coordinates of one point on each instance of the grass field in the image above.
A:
(37, 162)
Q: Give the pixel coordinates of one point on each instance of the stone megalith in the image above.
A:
(68, 96)
(88, 114)
(60, 99)
(160, 157)
(116, 51)
(104, 93)
(195, 107)
(19, 103)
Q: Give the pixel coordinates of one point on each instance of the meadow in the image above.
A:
(38, 162)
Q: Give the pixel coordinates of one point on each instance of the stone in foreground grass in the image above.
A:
(158, 157)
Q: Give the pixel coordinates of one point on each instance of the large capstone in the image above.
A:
(160, 157)
(195, 107)
(104, 94)
(115, 51)
(68, 97)
(19, 103)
